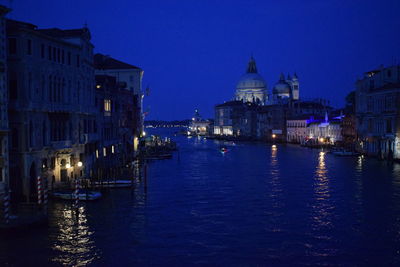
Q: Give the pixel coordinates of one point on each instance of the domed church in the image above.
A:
(251, 86)
(285, 89)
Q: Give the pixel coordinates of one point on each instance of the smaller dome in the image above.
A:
(281, 87)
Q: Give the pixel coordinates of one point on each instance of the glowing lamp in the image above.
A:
(273, 135)
(68, 165)
(80, 164)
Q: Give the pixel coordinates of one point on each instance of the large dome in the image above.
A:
(251, 81)
(251, 86)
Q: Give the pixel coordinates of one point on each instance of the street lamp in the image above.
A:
(274, 136)
(68, 165)
(80, 164)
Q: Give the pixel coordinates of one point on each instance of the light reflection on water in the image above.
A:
(322, 206)
(72, 238)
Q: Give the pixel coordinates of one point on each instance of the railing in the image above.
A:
(61, 144)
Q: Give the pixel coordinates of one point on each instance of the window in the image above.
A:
(58, 55)
(371, 84)
(29, 47)
(49, 52)
(12, 46)
(389, 73)
(388, 126)
(78, 63)
(14, 138)
(13, 89)
(62, 57)
(370, 125)
(107, 105)
(50, 88)
(44, 132)
(69, 58)
(54, 54)
(42, 50)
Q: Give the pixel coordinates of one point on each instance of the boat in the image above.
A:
(343, 153)
(223, 149)
(113, 183)
(83, 195)
(159, 156)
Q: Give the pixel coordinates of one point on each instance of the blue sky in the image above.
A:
(194, 52)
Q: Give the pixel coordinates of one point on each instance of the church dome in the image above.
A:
(281, 87)
(251, 81)
(251, 86)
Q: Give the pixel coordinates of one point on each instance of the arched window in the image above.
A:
(31, 134)
(14, 138)
(50, 88)
(63, 91)
(44, 133)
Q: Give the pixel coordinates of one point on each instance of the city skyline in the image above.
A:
(205, 46)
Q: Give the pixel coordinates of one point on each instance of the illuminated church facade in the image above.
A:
(253, 88)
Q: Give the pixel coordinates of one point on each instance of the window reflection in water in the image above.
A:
(73, 240)
(322, 206)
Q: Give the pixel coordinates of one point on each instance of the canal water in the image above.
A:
(255, 205)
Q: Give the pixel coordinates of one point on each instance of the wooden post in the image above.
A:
(76, 194)
(39, 190)
(6, 206)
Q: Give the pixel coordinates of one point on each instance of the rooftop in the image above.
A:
(106, 62)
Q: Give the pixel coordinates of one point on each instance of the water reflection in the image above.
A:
(73, 240)
(360, 163)
(322, 206)
(275, 180)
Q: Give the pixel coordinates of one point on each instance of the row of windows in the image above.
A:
(54, 54)
(60, 130)
(380, 126)
(58, 89)
(381, 103)
(295, 124)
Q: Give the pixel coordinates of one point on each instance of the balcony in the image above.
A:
(61, 144)
(89, 138)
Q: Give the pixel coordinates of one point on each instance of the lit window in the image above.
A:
(112, 149)
(97, 153)
(104, 151)
(107, 105)
(98, 86)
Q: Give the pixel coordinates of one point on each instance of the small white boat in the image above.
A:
(83, 195)
(113, 183)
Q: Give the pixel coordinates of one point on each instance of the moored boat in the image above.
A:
(113, 183)
(83, 195)
(344, 153)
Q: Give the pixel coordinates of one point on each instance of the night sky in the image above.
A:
(194, 52)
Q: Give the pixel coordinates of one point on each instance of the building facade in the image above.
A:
(297, 129)
(115, 126)
(128, 77)
(235, 118)
(327, 131)
(199, 126)
(51, 105)
(4, 159)
(377, 112)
